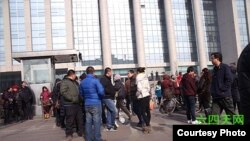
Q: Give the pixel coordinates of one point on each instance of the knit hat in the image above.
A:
(15, 86)
(117, 77)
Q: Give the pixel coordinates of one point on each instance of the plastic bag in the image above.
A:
(151, 105)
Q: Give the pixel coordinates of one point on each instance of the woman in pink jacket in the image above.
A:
(45, 98)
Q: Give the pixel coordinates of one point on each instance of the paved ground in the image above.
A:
(46, 130)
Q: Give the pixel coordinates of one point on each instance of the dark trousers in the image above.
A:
(190, 107)
(28, 110)
(159, 100)
(104, 118)
(221, 104)
(145, 110)
(128, 102)
(136, 109)
(120, 105)
(7, 115)
(73, 115)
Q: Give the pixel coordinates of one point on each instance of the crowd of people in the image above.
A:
(89, 103)
(17, 103)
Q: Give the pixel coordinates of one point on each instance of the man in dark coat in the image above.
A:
(26, 96)
(244, 83)
(108, 99)
(221, 87)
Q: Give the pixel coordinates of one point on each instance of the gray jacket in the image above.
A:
(69, 90)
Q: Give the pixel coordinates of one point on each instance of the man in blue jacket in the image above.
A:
(92, 92)
(221, 87)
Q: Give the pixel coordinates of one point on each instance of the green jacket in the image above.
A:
(69, 90)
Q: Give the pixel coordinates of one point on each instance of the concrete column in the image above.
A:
(248, 17)
(171, 36)
(139, 33)
(105, 34)
(69, 24)
(48, 28)
(27, 22)
(228, 30)
(7, 35)
(200, 33)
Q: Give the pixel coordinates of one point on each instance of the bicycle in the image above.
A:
(168, 106)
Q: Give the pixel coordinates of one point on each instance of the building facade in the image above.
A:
(161, 35)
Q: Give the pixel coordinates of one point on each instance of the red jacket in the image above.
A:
(188, 85)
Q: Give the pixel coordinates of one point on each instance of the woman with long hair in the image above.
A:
(203, 90)
(143, 95)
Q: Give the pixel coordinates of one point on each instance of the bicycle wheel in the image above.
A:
(161, 109)
(170, 106)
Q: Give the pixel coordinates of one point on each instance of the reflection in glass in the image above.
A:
(242, 22)
(58, 24)
(2, 54)
(211, 26)
(38, 25)
(184, 30)
(155, 31)
(37, 71)
(17, 25)
(122, 32)
(87, 31)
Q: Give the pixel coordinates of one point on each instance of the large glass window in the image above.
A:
(38, 25)
(155, 31)
(122, 31)
(17, 25)
(58, 24)
(184, 31)
(2, 54)
(211, 26)
(87, 31)
(242, 21)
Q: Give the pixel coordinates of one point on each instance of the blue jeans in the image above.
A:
(93, 117)
(111, 112)
(190, 104)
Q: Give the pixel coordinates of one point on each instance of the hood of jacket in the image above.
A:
(141, 77)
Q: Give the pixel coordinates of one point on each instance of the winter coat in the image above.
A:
(108, 87)
(188, 85)
(234, 89)
(158, 91)
(243, 70)
(26, 95)
(143, 87)
(221, 82)
(46, 98)
(8, 98)
(133, 87)
(91, 90)
(120, 88)
(167, 86)
(69, 91)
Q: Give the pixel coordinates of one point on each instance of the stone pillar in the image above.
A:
(248, 17)
(27, 22)
(48, 25)
(200, 33)
(139, 33)
(69, 24)
(7, 36)
(171, 36)
(105, 34)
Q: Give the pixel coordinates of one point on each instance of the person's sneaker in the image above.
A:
(115, 126)
(189, 121)
(196, 122)
(111, 129)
